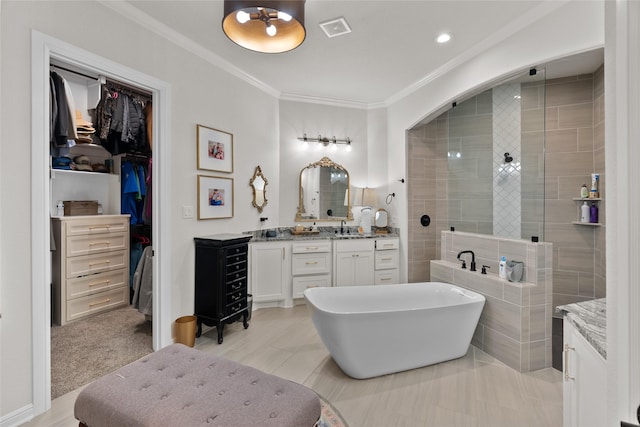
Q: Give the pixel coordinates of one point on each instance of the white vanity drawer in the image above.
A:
(355, 245)
(96, 263)
(387, 244)
(386, 277)
(312, 263)
(95, 243)
(97, 224)
(306, 282)
(84, 306)
(312, 246)
(87, 285)
(386, 260)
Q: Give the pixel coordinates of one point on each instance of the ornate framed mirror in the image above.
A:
(324, 192)
(259, 184)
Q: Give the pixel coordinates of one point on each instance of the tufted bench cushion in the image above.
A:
(181, 386)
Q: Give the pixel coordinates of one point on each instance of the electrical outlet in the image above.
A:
(187, 212)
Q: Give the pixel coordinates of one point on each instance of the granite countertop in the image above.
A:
(590, 319)
(285, 234)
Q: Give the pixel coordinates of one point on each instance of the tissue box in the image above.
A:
(80, 207)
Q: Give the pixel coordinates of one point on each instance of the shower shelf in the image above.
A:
(586, 199)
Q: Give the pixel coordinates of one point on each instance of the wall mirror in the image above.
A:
(324, 193)
(259, 185)
(381, 218)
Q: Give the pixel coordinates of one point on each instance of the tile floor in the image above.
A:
(475, 390)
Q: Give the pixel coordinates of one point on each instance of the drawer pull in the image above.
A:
(385, 279)
(106, 261)
(101, 302)
(236, 308)
(312, 286)
(388, 245)
(93, 227)
(386, 259)
(311, 262)
(106, 242)
(565, 354)
(104, 282)
(311, 248)
(235, 287)
(236, 297)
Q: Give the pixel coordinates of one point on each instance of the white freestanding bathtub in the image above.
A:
(381, 329)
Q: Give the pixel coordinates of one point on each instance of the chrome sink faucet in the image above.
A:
(473, 260)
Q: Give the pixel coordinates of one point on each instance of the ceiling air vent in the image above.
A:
(335, 27)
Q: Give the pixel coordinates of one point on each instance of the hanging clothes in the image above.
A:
(63, 115)
(143, 283)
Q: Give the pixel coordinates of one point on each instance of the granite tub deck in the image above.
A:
(590, 319)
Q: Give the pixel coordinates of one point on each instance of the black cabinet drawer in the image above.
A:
(235, 307)
(235, 297)
(232, 259)
(236, 285)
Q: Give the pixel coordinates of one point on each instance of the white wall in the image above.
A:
(264, 130)
(201, 94)
(297, 118)
(554, 36)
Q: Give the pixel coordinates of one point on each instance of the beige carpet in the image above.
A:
(87, 349)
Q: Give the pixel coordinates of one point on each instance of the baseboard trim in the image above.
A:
(17, 417)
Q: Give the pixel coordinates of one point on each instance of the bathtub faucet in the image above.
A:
(473, 260)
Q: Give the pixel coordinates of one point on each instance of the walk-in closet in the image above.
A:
(101, 193)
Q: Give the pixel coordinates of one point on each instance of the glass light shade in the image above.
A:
(252, 34)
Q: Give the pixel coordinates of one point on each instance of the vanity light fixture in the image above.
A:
(265, 26)
(324, 141)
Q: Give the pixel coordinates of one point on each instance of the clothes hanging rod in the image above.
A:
(97, 78)
(114, 84)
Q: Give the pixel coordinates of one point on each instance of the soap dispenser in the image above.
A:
(584, 213)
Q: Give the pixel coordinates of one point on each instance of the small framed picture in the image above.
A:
(215, 197)
(215, 149)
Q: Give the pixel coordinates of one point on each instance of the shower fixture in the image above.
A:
(508, 158)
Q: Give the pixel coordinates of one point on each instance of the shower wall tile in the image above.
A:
(586, 139)
(579, 115)
(566, 164)
(562, 141)
(561, 93)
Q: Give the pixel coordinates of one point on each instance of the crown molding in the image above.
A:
(142, 19)
(507, 31)
(324, 101)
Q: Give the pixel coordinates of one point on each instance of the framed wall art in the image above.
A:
(215, 149)
(215, 197)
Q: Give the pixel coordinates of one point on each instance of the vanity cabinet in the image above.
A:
(221, 280)
(90, 265)
(386, 261)
(310, 265)
(270, 276)
(354, 262)
(584, 381)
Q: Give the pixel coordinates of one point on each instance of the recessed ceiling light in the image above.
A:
(443, 38)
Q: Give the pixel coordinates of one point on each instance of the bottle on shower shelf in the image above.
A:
(584, 212)
(593, 213)
(502, 268)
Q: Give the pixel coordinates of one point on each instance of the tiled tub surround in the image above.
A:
(515, 326)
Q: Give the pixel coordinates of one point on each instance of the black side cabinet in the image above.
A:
(221, 281)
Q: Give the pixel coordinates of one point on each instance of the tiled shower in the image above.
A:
(455, 176)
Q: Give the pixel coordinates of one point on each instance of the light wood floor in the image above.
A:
(475, 390)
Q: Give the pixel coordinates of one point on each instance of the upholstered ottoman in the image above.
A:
(183, 387)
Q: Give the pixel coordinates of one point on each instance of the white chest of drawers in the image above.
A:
(310, 265)
(90, 267)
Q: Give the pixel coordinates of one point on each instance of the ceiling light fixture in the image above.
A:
(443, 38)
(265, 26)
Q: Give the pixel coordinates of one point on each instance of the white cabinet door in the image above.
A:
(354, 263)
(584, 387)
(270, 275)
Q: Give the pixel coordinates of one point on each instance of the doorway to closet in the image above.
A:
(47, 50)
(101, 192)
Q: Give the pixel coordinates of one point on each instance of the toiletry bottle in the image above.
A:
(502, 268)
(584, 213)
(593, 213)
(584, 192)
(60, 208)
